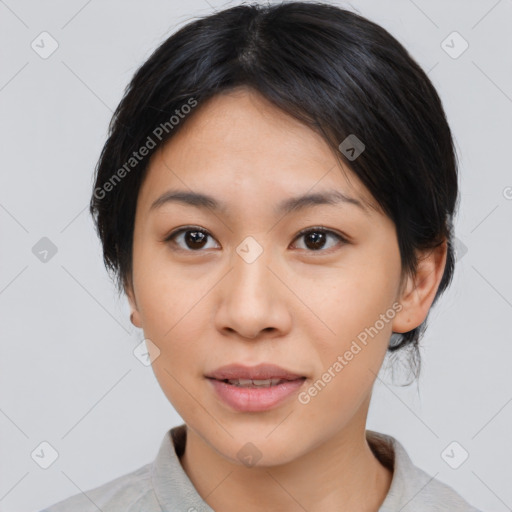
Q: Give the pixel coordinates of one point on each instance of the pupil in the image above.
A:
(192, 237)
(317, 238)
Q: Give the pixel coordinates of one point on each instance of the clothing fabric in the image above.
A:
(163, 485)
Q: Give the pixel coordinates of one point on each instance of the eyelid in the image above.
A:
(177, 231)
(323, 229)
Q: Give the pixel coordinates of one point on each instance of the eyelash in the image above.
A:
(316, 229)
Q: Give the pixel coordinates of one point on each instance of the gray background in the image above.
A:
(67, 372)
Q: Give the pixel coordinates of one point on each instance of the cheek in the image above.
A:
(173, 321)
(358, 308)
(176, 326)
(353, 301)
(350, 360)
(167, 295)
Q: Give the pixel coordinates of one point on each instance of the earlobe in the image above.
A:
(419, 290)
(134, 319)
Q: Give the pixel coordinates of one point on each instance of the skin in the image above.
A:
(294, 306)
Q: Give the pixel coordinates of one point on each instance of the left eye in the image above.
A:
(315, 238)
(196, 238)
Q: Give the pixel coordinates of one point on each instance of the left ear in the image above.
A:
(418, 292)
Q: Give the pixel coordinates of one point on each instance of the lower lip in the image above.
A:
(255, 399)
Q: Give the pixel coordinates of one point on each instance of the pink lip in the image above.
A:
(254, 399)
(261, 371)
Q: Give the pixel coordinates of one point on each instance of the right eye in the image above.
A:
(194, 238)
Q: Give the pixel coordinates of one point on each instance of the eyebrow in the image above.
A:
(204, 201)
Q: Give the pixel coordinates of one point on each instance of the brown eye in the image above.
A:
(192, 239)
(316, 239)
(195, 239)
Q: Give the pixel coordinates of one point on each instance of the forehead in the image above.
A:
(238, 142)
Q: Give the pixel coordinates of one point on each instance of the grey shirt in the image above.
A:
(163, 485)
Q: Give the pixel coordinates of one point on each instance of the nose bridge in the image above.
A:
(250, 262)
(251, 300)
(251, 277)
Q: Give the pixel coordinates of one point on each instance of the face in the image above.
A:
(312, 288)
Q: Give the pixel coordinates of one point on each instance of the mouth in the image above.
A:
(257, 383)
(254, 389)
(261, 372)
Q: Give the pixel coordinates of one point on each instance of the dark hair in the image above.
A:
(330, 68)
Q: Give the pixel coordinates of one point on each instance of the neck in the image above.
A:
(341, 474)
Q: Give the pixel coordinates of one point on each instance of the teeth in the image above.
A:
(250, 383)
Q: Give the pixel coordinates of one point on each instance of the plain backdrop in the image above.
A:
(68, 375)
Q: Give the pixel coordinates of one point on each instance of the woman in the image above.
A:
(276, 199)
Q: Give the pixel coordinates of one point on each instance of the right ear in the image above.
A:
(135, 315)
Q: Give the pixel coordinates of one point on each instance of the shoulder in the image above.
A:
(130, 492)
(428, 493)
(412, 489)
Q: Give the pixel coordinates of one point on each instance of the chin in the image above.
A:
(256, 446)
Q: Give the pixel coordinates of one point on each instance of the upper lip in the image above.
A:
(260, 372)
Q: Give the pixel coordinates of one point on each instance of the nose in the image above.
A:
(252, 301)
